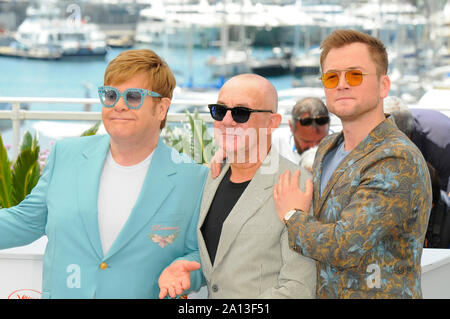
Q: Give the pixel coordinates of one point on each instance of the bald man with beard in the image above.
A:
(243, 246)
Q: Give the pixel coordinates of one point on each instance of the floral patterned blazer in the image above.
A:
(368, 226)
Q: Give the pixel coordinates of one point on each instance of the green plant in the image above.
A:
(191, 139)
(92, 130)
(18, 179)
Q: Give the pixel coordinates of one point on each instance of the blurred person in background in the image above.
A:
(309, 124)
(438, 231)
(429, 130)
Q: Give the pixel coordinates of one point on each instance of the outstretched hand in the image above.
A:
(287, 195)
(176, 278)
(216, 163)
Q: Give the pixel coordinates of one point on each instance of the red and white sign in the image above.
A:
(25, 294)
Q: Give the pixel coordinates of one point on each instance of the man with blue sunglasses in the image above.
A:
(119, 208)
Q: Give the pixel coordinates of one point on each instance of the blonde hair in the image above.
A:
(129, 63)
(340, 38)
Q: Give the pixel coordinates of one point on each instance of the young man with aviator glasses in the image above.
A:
(372, 193)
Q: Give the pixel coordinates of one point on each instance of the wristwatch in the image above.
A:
(288, 215)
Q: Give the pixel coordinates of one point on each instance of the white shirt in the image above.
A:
(118, 192)
(283, 141)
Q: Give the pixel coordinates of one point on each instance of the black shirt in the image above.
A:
(226, 197)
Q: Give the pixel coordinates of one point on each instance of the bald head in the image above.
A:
(259, 88)
(247, 141)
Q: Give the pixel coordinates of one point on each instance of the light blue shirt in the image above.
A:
(330, 162)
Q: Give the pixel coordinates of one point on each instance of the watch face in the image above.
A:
(289, 214)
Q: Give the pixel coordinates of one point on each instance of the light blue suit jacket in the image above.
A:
(63, 205)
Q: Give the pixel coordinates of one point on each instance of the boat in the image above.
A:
(232, 62)
(178, 25)
(44, 27)
(11, 48)
(235, 56)
(265, 24)
(18, 50)
(273, 24)
(307, 64)
(277, 64)
(120, 41)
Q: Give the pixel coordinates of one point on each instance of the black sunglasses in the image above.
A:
(320, 120)
(240, 114)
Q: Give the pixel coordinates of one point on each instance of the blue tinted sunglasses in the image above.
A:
(134, 98)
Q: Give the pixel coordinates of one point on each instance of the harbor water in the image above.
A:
(79, 77)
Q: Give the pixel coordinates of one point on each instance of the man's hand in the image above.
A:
(216, 163)
(176, 278)
(287, 195)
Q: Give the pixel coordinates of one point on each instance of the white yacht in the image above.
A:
(230, 63)
(178, 25)
(44, 27)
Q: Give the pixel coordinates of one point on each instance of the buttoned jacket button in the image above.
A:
(215, 288)
(103, 266)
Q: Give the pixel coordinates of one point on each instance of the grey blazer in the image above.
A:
(253, 258)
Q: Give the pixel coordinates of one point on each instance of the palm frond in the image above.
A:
(192, 139)
(5, 177)
(25, 171)
(92, 130)
(25, 174)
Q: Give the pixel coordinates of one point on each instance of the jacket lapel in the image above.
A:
(88, 181)
(366, 146)
(251, 200)
(208, 196)
(325, 147)
(157, 186)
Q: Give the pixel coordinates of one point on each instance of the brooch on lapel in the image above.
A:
(163, 241)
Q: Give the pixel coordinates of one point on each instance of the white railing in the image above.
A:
(17, 114)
